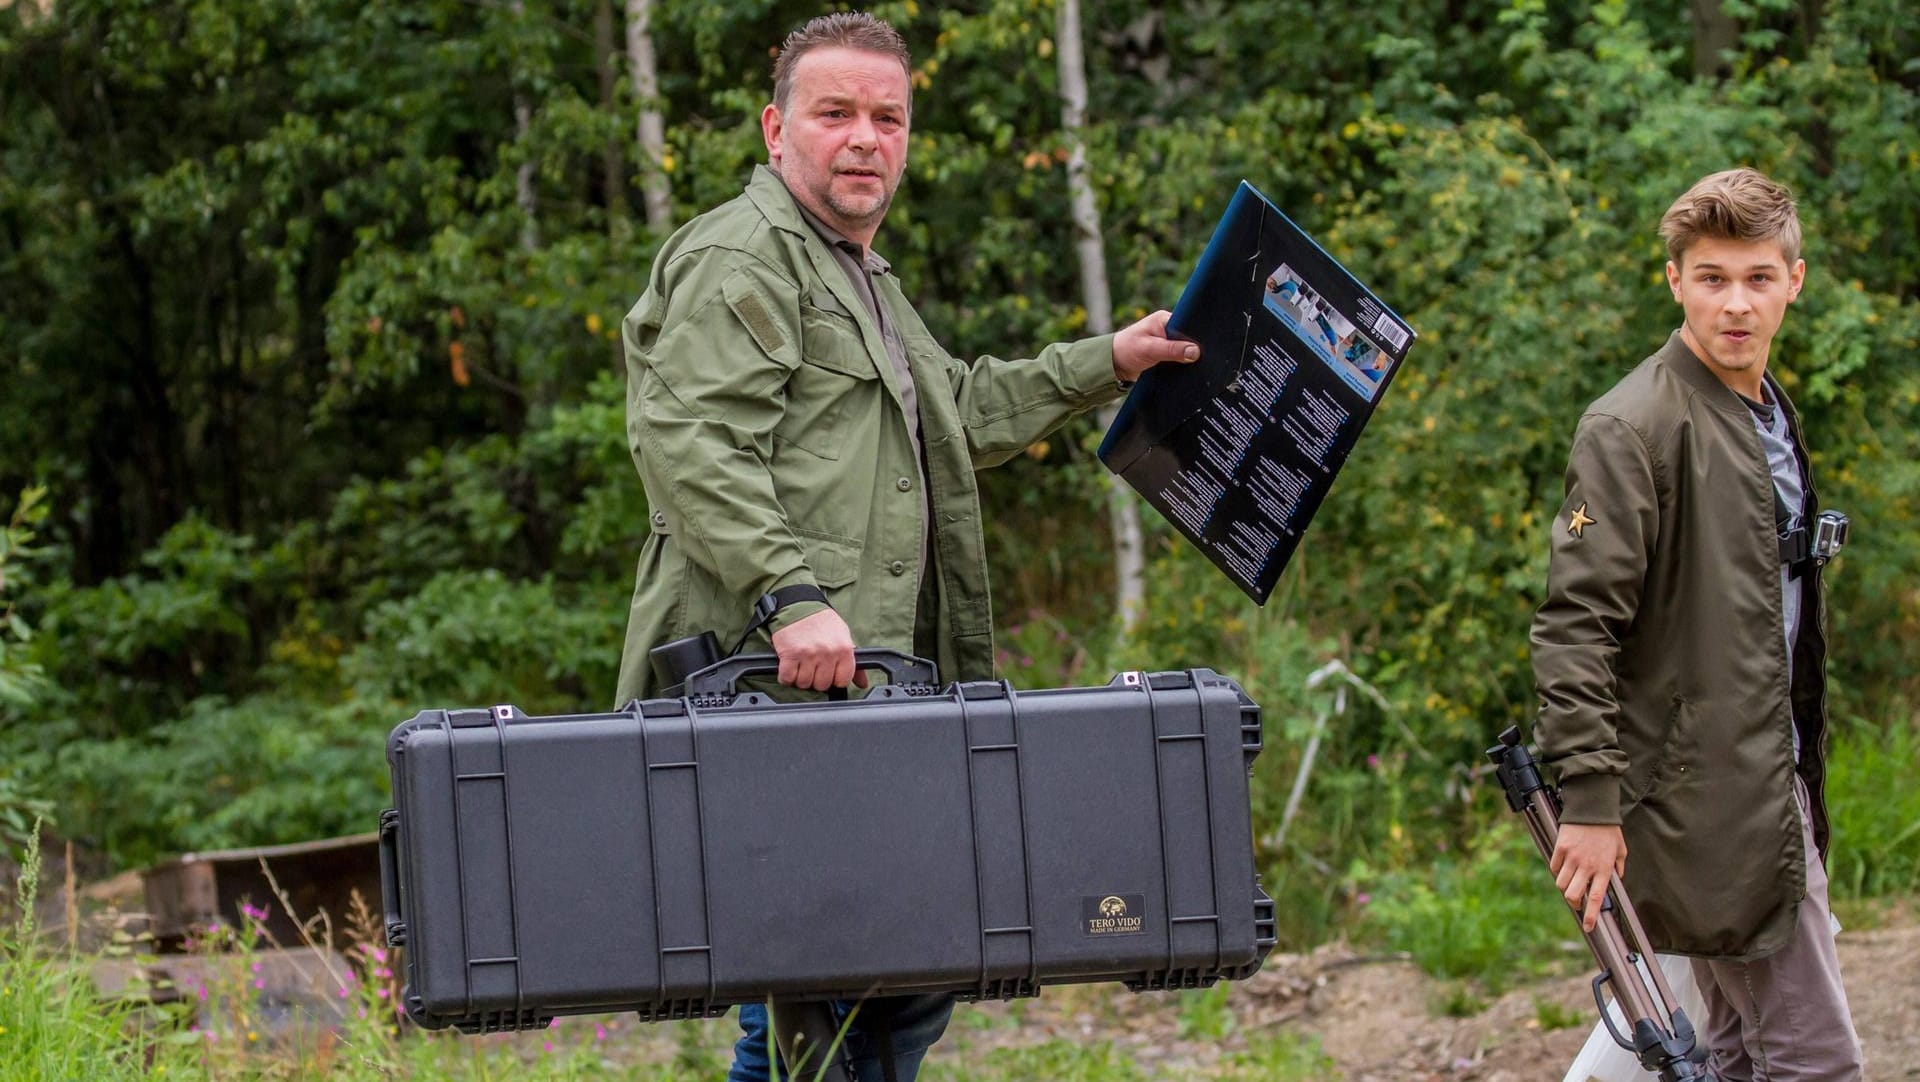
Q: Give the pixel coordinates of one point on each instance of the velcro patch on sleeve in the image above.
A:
(752, 310)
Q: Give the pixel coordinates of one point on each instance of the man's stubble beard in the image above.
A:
(846, 214)
(852, 216)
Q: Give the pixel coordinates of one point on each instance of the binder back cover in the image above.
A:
(1239, 448)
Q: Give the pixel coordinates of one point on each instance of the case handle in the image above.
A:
(723, 676)
(390, 878)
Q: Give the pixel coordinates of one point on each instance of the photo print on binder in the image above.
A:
(1238, 449)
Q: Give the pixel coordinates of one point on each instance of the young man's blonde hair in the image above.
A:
(842, 29)
(1735, 204)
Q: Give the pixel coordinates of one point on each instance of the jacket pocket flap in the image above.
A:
(831, 339)
(835, 560)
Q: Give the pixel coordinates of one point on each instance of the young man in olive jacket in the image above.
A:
(1680, 652)
(804, 439)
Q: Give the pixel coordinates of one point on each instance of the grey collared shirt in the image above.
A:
(862, 266)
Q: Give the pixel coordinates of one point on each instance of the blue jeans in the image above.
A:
(915, 1022)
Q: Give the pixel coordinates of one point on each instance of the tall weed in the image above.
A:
(53, 1024)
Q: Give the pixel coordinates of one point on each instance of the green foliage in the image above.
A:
(1874, 809)
(1489, 914)
(1203, 1014)
(20, 678)
(1067, 1061)
(1551, 1016)
(1282, 1057)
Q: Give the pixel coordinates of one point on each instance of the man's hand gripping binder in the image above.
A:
(679, 856)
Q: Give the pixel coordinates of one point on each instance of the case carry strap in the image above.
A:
(769, 604)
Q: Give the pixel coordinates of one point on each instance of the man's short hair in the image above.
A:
(844, 29)
(1735, 204)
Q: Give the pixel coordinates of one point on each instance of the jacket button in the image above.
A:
(660, 519)
(898, 567)
(904, 484)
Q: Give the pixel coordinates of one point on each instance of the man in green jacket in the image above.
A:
(803, 439)
(1680, 654)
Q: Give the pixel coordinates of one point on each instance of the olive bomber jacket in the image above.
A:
(1663, 677)
(765, 420)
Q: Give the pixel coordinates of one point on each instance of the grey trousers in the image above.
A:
(1784, 1018)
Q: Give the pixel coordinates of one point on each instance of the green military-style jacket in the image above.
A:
(765, 419)
(1666, 704)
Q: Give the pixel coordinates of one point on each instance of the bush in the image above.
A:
(1490, 914)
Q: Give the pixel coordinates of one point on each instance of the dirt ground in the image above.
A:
(1375, 1016)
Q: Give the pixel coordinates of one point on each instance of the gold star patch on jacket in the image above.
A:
(1579, 521)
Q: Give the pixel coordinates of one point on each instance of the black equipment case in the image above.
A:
(683, 855)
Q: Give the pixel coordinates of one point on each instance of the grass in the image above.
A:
(1874, 809)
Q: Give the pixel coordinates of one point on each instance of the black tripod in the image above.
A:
(1662, 1037)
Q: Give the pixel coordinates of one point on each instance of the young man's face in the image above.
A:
(841, 143)
(1734, 294)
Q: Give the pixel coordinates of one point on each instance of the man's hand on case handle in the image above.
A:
(816, 653)
(1585, 858)
(1144, 343)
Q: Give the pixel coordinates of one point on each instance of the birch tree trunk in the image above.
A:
(1715, 33)
(652, 127)
(523, 193)
(1123, 513)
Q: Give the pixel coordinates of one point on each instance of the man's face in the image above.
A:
(1734, 295)
(841, 143)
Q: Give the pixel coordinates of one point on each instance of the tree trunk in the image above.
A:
(613, 180)
(652, 128)
(523, 193)
(1123, 513)
(1715, 33)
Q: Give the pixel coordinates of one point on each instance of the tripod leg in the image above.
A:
(808, 1039)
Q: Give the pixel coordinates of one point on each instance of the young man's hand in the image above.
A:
(816, 652)
(1140, 345)
(1585, 858)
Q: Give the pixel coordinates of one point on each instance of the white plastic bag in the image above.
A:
(1600, 1060)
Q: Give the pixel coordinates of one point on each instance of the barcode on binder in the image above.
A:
(1385, 327)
